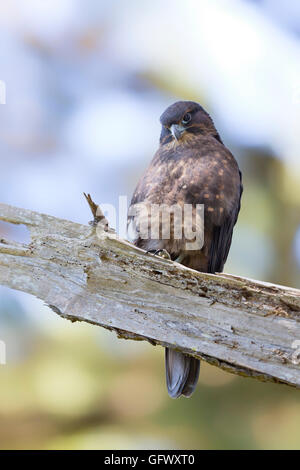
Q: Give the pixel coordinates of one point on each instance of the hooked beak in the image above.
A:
(177, 130)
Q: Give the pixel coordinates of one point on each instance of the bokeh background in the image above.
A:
(86, 82)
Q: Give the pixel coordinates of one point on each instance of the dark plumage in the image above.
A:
(191, 166)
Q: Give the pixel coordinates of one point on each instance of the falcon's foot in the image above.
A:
(162, 253)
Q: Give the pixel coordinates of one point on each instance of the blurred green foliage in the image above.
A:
(76, 393)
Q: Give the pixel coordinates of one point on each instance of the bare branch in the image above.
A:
(85, 273)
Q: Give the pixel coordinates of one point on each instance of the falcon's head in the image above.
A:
(183, 119)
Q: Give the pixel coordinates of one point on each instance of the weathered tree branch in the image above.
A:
(85, 273)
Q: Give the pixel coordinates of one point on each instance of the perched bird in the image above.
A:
(192, 166)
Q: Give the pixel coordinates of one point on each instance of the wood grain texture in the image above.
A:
(85, 273)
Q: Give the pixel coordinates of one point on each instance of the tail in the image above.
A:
(182, 373)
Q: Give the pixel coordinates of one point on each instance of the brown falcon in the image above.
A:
(192, 166)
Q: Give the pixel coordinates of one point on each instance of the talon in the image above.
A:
(163, 254)
(152, 252)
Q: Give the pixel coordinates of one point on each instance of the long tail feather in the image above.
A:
(182, 373)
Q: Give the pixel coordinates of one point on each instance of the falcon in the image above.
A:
(191, 167)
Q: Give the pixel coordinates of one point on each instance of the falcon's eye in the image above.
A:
(186, 118)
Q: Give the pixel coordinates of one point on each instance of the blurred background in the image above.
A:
(86, 82)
